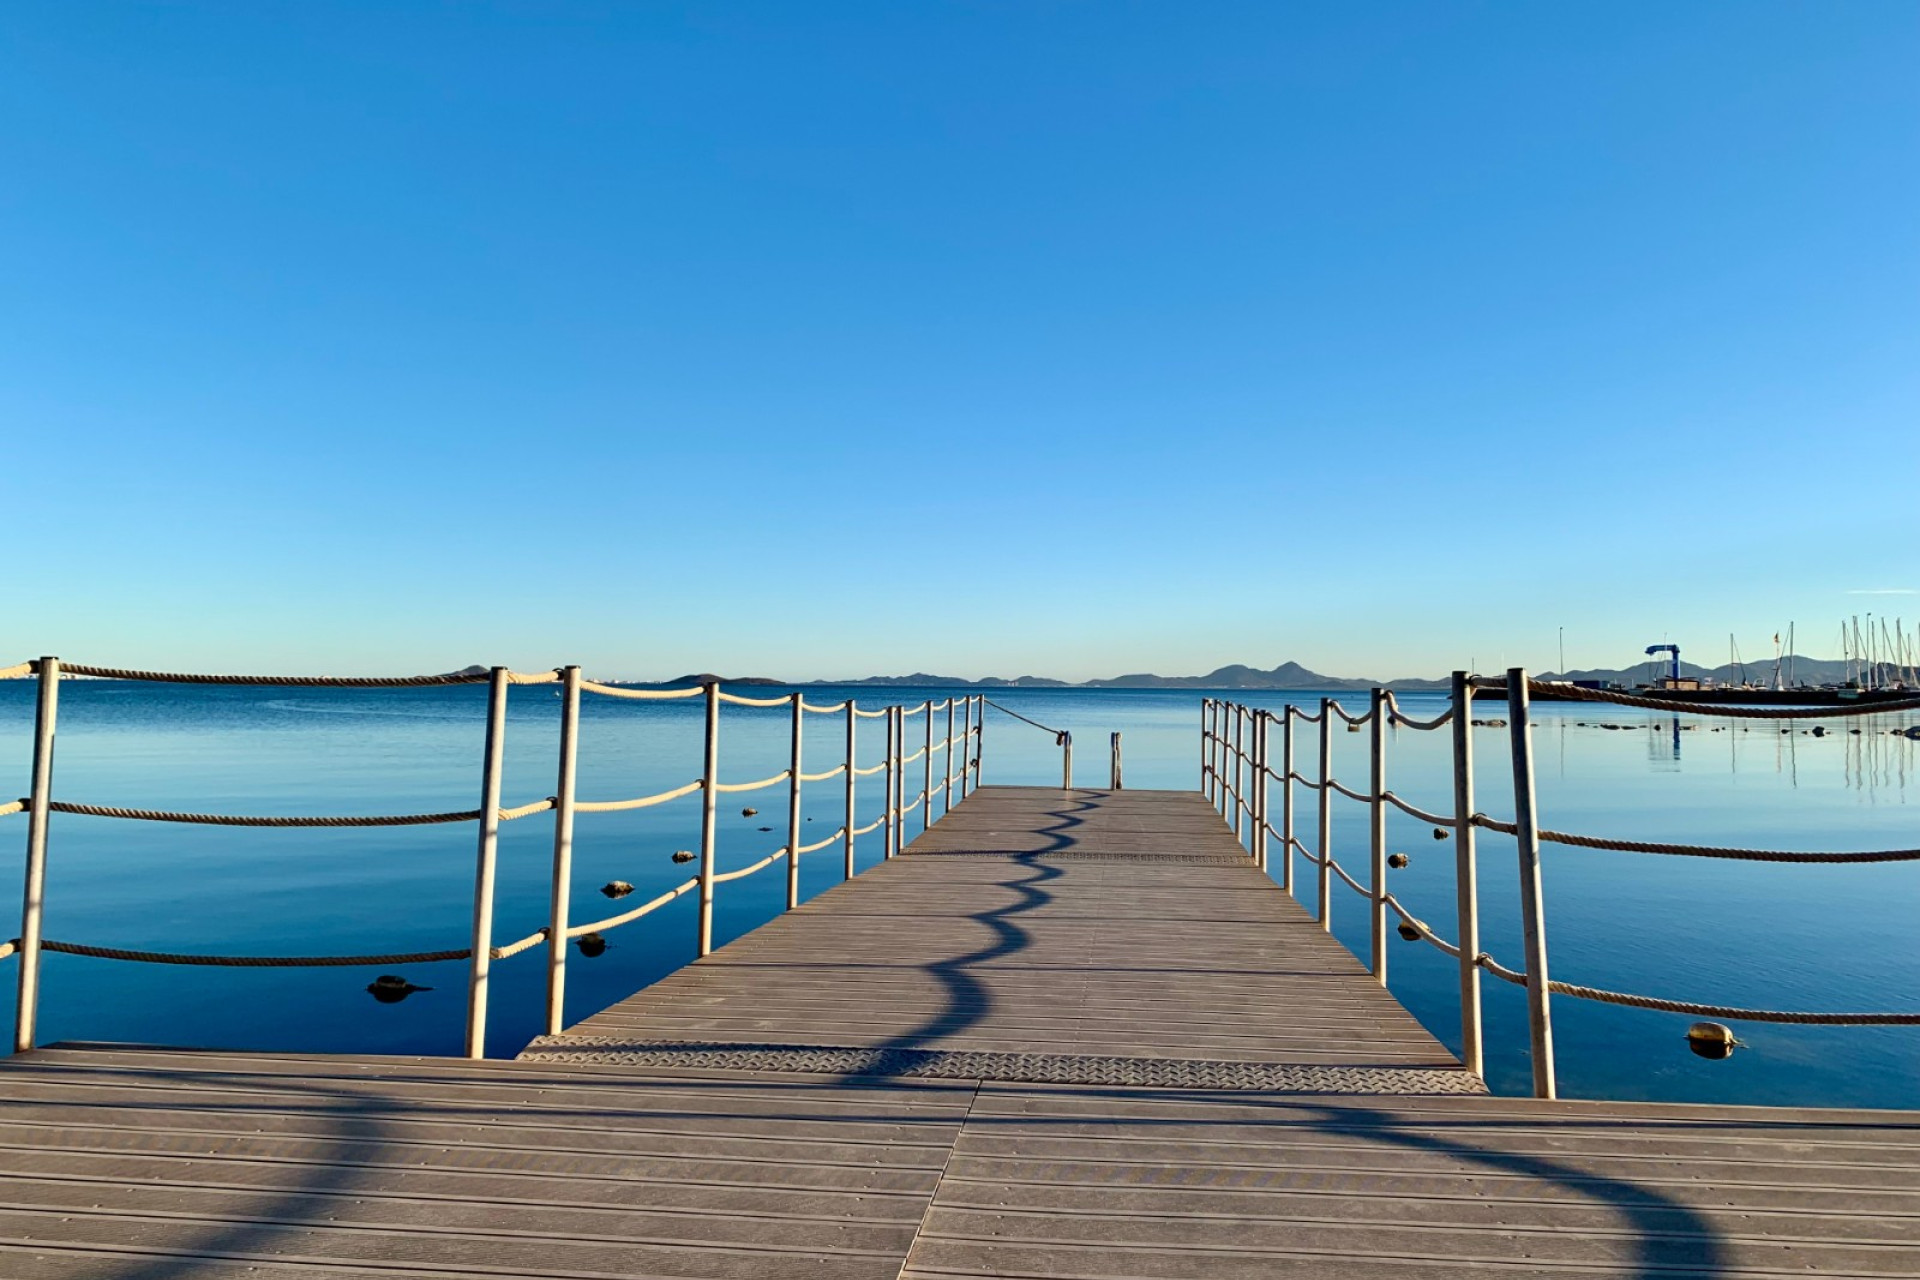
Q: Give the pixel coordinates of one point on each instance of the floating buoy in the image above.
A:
(766, 828)
(1397, 860)
(391, 988)
(1818, 731)
(591, 945)
(683, 855)
(1408, 932)
(1711, 1040)
(1439, 833)
(748, 813)
(616, 888)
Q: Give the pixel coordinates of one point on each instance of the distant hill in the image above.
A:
(1288, 675)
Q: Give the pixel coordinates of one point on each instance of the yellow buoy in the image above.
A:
(1711, 1039)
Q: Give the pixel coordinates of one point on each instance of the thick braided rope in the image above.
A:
(834, 772)
(1309, 783)
(1572, 693)
(1348, 716)
(1349, 793)
(821, 711)
(721, 788)
(528, 810)
(740, 701)
(533, 677)
(628, 917)
(236, 820)
(1436, 819)
(744, 872)
(18, 670)
(871, 715)
(644, 802)
(9, 948)
(1017, 716)
(254, 962)
(1396, 716)
(906, 760)
(1306, 853)
(821, 844)
(13, 806)
(1420, 926)
(871, 826)
(1729, 1012)
(650, 695)
(1699, 850)
(301, 682)
(869, 771)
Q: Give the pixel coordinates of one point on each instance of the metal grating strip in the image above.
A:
(1036, 1068)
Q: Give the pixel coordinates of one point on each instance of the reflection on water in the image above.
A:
(1796, 937)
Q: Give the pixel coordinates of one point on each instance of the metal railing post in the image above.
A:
(1286, 799)
(1066, 760)
(979, 739)
(892, 774)
(1466, 893)
(853, 733)
(1260, 789)
(709, 819)
(489, 852)
(946, 804)
(559, 902)
(926, 772)
(1532, 900)
(1377, 833)
(1116, 762)
(1326, 813)
(1220, 755)
(793, 809)
(33, 890)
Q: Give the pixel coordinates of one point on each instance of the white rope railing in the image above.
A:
(744, 872)
(645, 695)
(1413, 811)
(628, 917)
(731, 788)
(643, 802)
(739, 700)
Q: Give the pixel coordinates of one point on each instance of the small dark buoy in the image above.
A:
(748, 813)
(591, 945)
(391, 988)
(1711, 1040)
(616, 888)
(1818, 731)
(766, 828)
(683, 855)
(1855, 732)
(1408, 932)
(1397, 860)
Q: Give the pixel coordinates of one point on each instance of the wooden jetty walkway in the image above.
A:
(1067, 1034)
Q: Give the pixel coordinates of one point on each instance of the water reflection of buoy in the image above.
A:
(1711, 1040)
(591, 945)
(683, 855)
(391, 988)
(616, 888)
(1397, 860)
(766, 828)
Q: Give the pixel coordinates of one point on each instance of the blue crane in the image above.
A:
(1674, 649)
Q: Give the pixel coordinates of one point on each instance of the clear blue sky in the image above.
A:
(824, 339)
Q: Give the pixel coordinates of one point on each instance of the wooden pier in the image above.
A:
(1066, 1034)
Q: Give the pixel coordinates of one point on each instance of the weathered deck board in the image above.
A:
(1033, 935)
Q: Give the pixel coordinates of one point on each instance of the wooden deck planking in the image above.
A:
(1072, 937)
(1056, 928)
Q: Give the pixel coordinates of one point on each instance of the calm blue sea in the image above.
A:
(1841, 937)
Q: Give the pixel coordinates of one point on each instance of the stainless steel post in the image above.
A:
(853, 733)
(1377, 833)
(946, 804)
(33, 891)
(1466, 892)
(1260, 789)
(980, 741)
(892, 775)
(926, 772)
(793, 808)
(1286, 798)
(1206, 745)
(1066, 761)
(709, 819)
(1532, 900)
(560, 896)
(489, 852)
(1326, 813)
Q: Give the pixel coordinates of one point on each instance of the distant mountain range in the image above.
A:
(1291, 675)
